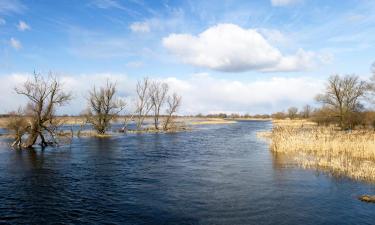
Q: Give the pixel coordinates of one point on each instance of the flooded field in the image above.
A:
(214, 174)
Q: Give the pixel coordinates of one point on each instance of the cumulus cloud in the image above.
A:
(23, 26)
(284, 2)
(230, 48)
(14, 43)
(201, 93)
(206, 94)
(140, 27)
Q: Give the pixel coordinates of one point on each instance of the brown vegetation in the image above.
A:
(328, 148)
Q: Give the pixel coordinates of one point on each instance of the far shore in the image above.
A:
(187, 120)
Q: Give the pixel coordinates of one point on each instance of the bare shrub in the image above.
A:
(103, 107)
(173, 103)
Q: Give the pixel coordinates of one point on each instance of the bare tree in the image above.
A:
(103, 107)
(173, 102)
(158, 96)
(44, 95)
(306, 111)
(18, 125)
(292, 112)
(143, 102)
(343, 95)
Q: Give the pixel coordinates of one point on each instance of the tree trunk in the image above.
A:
(31, 140)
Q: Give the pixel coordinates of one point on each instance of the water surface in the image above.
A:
(216, 174)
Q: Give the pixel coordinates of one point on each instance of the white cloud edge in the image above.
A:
(231, 48)
(281, 3)
(14, 43)
(140, 27)
(23, 26)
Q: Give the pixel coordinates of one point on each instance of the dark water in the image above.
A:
(218, 174)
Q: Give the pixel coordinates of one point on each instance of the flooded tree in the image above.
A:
(18, 125)
(343, 96)
(143, 101)
(173, 103)
(103, 107)
(158, 96)
(44, 96)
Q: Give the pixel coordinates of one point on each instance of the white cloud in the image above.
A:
(206, 94)
(230, 48)
(16, 44)
(134, 64)
(201, 93)
(274, 36)
(11, 6)
(107, 4)
(284, 2)
(22, 26)
(141, 27)
(2, 21)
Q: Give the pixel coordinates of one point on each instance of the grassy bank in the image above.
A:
(348, 153)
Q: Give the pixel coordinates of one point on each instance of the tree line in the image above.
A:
(45, 94)
(346, 101)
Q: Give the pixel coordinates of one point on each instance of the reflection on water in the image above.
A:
(218, 174)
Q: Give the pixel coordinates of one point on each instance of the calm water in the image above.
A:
(218, 174)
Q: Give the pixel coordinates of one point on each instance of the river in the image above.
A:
(214, 174)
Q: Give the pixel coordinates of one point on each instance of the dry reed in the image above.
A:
(348, 153)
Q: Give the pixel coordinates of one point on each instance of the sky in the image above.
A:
(221, 56)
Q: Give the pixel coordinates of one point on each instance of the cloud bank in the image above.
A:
(201, 93)
(230, 48)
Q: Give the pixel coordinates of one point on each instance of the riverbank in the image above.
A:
(347, 153)
(79, 120)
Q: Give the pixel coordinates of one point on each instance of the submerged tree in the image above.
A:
(158, 96)
(103, 107)
(18, 125)
(343, 96)
(143, 101)
(173, 102)
(44, 95)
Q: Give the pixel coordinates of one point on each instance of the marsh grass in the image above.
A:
(348, 153)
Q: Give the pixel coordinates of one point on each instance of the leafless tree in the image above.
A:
(158, 96)
(306, 111)
(343, 96)
(143, 101)
(292, 112)
(103, 107)
(18, 125)
(173, 103)
(44, 95)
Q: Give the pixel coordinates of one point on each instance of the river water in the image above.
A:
(215, 174)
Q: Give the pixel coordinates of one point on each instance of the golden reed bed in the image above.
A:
(348, 153)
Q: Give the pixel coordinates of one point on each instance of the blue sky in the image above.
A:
(229, 46)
